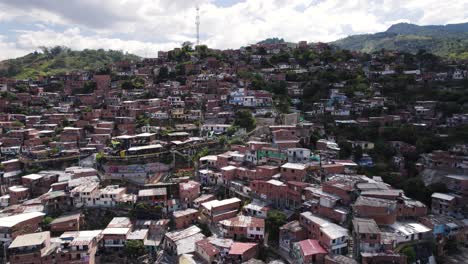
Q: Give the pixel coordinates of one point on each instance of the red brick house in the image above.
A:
(242, 252)
(32, 248)
(19, 224)
(366, 236)
(67, 223)
(207, 251)
(154, 196)
(342, 189)
(78, 247)
(18, 194)
(188, 191)
(309, 251)
(332, 237)
(376, 258)
(384, 212)
(290, 233)
(216, 210)
(243, 227)
(185, 218)
(294, 171)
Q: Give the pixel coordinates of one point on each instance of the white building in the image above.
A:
(256, 208)
(216, 128)
(410, 231)
(85, 195)
(110, 195)
(300, 155)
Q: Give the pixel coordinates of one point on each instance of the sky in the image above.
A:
(144, 27)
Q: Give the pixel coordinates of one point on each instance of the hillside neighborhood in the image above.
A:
(274, 152)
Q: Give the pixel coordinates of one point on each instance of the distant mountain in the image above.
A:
(60, 59)
(272, 41)
(448, 41)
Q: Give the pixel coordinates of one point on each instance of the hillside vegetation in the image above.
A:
(449, 41)
(58, 60)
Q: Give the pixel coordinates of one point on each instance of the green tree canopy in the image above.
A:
(245, 119)
(134, 248)
(275, 219)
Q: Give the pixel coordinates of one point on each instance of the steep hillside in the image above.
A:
(60, 59)
(447, 41)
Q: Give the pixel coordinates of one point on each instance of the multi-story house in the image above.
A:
(154, 196)
(383, 211)
(185, 218)
(243, 227)
(298, 155)
(216, 210)
(366, 237)
(19, 224)
(85, 195)
(31, 248)
(294, 171)
(78, 247)
(111, 195)
(188, 191)
(332, 237)
(308, 251)
(443, 204)
(290, 233)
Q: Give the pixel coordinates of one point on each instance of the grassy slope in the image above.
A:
(34, 64)
(446, 44)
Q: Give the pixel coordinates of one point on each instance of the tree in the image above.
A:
(275, 219)
(245, 119)
(278, 88)
(66, 123)
(202, 51)
(99, 157)
(231, 130)
(187, 46)
(204, 229)
(345, 149)
(258, 82)
(261, 51)
(409, 253)
(22, 88)
(223, 140)
(47, 220)
(145, 211)
(134, 248)
(163, 73)
(136, 83)
(54, 87)
(451, 246)
(357, 153)
(142, 120)
(202, 153)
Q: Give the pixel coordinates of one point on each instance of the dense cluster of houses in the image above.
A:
(131, 124)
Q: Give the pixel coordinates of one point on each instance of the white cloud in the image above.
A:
(145, 26)
(32, 40)
(9, 50)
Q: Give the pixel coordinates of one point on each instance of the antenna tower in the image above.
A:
(197, 22)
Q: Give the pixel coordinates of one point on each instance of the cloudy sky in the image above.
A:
(145, 26)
